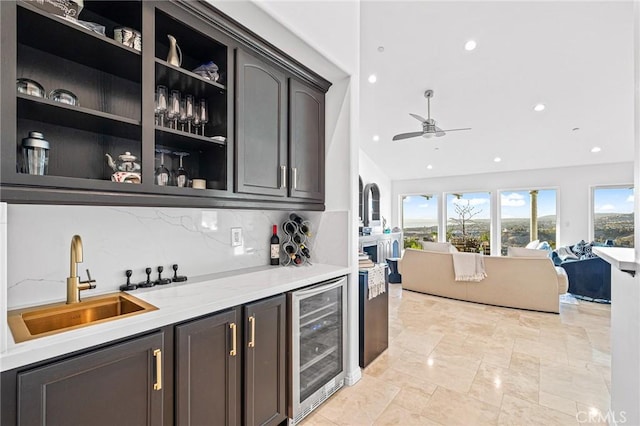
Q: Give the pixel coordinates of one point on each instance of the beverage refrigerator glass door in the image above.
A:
(318, 347)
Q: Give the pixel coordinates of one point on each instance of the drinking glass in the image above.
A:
(173, 110)
(204, 114)
(161, 103)
(182, 179)
(162, 173)
(196, 117)
(156, 113)
(190, 112)
(182, 119)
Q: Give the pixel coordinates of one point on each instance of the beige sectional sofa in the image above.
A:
(515, 282)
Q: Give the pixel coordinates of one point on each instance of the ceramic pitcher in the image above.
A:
(175, 54)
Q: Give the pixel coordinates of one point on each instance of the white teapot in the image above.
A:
(125, 169)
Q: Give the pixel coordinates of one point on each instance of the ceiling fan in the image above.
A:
(429, 127)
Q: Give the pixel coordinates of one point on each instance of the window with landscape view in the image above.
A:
(516, 210)
(613, 215)
(419, 219)
(468, 221)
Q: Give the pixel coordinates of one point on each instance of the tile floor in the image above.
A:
(457, 363)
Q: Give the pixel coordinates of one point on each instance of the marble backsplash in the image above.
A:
(119, 238)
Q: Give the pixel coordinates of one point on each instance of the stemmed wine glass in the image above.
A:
(182, 119)
(204, 114)
(156, 113)
(173, 113)
(181, 176)
(196, 117)
(161, 103)
(189, 111)
(162, 173)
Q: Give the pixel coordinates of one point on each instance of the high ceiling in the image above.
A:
(575, 57)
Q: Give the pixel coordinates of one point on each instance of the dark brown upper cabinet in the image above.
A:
(258, 159)
(117, 385)
(306, 141)
(261, 127)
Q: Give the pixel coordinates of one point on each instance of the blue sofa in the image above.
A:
(590, 278)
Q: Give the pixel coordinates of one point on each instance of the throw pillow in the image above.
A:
(544, 246)
(439, 247)
(565, 254)
(578, 248)
(588, 251)
(533, 244)
(525, 252)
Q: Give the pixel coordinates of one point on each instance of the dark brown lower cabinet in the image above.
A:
(264, 362)
(118, 385)
(228, 368)
(209, 373)
(207, 370)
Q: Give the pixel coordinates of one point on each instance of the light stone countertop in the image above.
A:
(619, 257)
(175, 302)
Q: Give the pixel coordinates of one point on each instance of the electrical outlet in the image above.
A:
(236, 237)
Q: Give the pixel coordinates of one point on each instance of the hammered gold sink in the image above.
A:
(45, 320)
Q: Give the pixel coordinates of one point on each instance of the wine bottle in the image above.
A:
(296, 259)
(297, 238)
(305, 251)
(275, 246)
(303, 227)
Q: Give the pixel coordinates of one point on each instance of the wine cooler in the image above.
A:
(318, 345)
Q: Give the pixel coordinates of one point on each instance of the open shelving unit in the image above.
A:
(207, 158)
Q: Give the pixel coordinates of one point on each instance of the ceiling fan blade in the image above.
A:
(455, 130)
(419, 118)
(407, 135)
(438, 132)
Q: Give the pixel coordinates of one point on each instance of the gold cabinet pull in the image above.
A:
(283, 176)
(158, 356)
(232, 326)
(295, 178)
(252, 341)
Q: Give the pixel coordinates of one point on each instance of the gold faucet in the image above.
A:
(74, 285)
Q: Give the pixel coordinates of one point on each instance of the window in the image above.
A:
(468, 221)
(419, 219)
(516, 210)
(613, 215)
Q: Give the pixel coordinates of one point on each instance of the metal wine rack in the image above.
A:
(294, 242)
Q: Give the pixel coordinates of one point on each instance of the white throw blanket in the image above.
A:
(468, 266)
(376, 280)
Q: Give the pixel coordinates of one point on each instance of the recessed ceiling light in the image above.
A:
(497, 159)
(470, 45)
(539, 107)
(429, 166)
(373, 78)
(380, 49)
(376, 138)
(596, 149)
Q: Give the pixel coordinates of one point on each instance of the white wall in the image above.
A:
(625, 293)
(304, 47)
(371, 173)
(309, 20)
(572, 183)
(119, 238)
